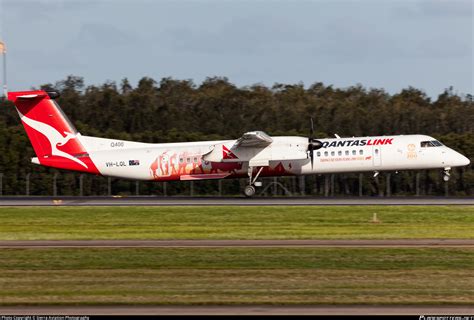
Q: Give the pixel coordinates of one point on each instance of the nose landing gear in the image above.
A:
(447, 175)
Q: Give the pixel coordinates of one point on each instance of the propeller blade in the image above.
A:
(310, 141)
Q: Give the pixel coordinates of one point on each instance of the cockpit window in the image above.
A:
(433, 143)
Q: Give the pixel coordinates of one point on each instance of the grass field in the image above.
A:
(237, 275)
(231, 222)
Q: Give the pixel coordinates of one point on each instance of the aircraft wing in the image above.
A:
(254, 139)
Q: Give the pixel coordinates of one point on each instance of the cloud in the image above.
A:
(240, 35)
(336, 41)
(445, 9)
(38, 10)
(92, 35)
(428, 9)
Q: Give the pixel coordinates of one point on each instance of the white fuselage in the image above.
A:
(285, 156)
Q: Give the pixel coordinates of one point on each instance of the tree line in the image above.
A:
(179, 110)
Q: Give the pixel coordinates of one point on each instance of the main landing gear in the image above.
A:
(249, 190)
(447, 175)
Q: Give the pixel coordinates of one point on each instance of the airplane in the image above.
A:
(255, 154)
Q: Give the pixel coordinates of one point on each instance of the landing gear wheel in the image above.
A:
(249, 191)
(446, 174)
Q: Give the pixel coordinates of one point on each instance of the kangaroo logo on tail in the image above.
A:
(54, 137)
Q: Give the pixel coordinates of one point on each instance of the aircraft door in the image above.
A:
(377, 156)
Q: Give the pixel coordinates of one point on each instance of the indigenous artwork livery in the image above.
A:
(255, 154)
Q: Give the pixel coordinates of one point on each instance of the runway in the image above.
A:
(408, 243)
(228, 201)
(240, 310)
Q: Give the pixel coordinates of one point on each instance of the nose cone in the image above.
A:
(459, 160)
(464, 161)
(455, 159)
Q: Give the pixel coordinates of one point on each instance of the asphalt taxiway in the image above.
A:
(229, 201)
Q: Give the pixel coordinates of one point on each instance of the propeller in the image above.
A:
(313, 144)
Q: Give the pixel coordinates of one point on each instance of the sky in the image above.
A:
(376, 43)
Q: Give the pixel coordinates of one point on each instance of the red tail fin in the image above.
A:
(54, 139)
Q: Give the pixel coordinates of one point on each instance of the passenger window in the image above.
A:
(361, 152)
(195, 160)
(354, 152)
(326, 153)
(181, 160)
(318, 154)
(347, 152)
(376, 151)
(188, 160)
(339, 153)
(333, 153)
